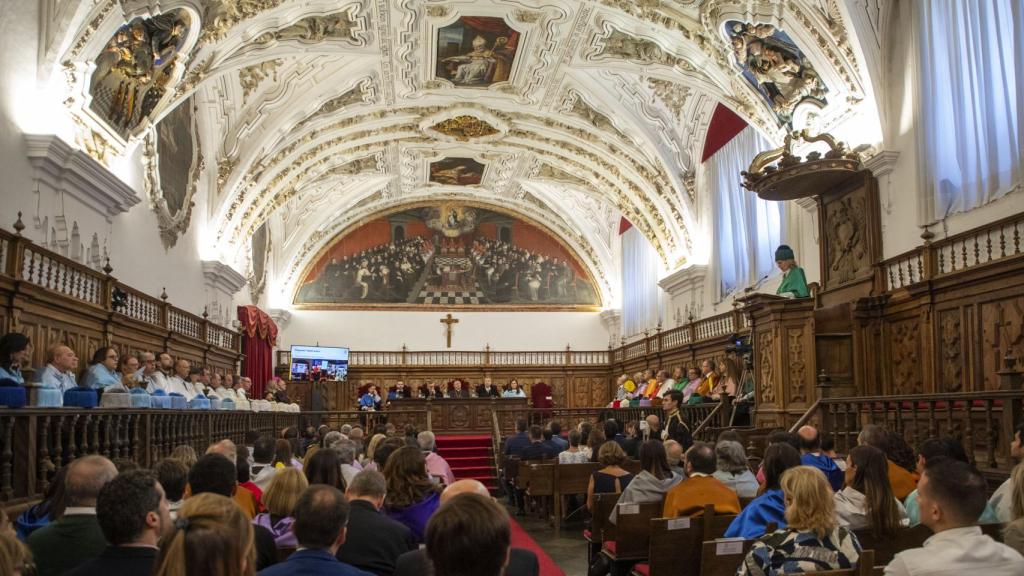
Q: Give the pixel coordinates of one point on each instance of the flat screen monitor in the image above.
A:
(319, 363)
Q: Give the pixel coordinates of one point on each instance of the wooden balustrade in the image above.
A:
(34, 443)
(45, 290)
(570, 417)
(984, 421)
(487, 357)
(983, 245)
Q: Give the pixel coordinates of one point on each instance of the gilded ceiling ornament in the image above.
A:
(620, 45)
(251, 77)
(339, 26)
(438, 11)
(464, 128)
(221, 15)
(575, 104)
(673, 96)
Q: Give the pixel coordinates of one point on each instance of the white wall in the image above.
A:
(388, 330)
(132, 238)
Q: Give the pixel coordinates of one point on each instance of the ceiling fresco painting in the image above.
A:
(314, 117)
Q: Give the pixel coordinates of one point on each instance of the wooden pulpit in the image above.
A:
(782, 334)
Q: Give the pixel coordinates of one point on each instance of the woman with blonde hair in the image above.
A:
(371, 447)
(211, 537)
(279, 501)
(1013, 534)
(813, 541)
(185, 454)
(15, 557)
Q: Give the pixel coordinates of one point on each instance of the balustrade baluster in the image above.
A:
(72, 451)
(949, 421)
(44, 463)
(933, 426)
(977, 251)
(988, 245)
(94, 435)
(58, 442)
(993, 433)
(7, 458)
(969, 433)
(913, 419)
(963, 252)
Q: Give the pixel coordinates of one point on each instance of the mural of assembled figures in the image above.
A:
(446, 255)
(135, 69)
(773, 64)
(476, 51)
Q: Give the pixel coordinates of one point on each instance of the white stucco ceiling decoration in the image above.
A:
(314, 113)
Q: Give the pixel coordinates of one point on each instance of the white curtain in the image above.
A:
(747, 229)
(972, 101)
(640, 269)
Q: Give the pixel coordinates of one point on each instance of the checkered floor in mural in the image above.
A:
(451, 297)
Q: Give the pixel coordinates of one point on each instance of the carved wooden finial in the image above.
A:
(163, 294)
(927, 236)
(19, 225)
(206, 312)
(623, 340)
(107, 268)
(658, 328)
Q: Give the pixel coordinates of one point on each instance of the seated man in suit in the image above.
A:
(458, 391)
(399, 391)
(538, 449)
(77, 536)
(689, 497)
(373, 542)
(416, 563)
(321, 515)
(133, 513)
(487, 389)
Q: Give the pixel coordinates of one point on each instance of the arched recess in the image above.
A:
(296, 264)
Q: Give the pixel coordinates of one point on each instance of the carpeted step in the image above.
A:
(469, 461)
(464, 452)
(466, 441)
(472, 471)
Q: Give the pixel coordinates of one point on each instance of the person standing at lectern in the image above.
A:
(794, 283)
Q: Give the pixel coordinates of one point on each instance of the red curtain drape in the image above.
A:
(259, 336)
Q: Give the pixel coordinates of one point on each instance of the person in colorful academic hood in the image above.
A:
(794, 283)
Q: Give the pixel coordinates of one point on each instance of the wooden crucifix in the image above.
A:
(448, 321)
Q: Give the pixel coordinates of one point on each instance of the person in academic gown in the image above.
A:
(794, 283)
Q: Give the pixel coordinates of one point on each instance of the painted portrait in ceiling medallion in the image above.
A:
(476, 51)
(457, 172)
(136, 69)
(775, 67)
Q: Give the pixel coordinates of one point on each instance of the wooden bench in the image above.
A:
(600, 528)
(535, 479)
(632, 535)
(570, 479)
(887, 547)
(723, 557)
(675, 543)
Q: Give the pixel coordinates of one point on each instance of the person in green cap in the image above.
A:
(794, 283)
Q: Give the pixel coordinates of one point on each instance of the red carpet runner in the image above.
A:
(520, 539)
(469, 457)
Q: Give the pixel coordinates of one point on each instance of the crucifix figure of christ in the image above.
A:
(448, 321)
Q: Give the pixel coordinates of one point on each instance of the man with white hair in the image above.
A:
(375, 541)
(436, 465)
(346, 450)
(60, 371)
(521, 562)
(146, 375)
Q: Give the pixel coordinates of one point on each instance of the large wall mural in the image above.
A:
(447, 255)
(778, 70)
(135, 69)
(476, 51)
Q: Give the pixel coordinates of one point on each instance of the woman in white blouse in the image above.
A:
(867, 500)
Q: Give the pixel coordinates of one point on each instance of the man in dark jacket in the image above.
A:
(537, 450)
(133, 513)
(76, 537)
(374, 541)
(514, 445)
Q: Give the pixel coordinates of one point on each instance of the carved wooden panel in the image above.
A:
(1002, 333)
(950, 351)
(905, 375)
(766, 370)
(797, 364)
(847, 250)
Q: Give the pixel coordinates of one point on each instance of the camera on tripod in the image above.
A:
(740, 346)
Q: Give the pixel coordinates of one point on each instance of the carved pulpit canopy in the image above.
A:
(780, 175)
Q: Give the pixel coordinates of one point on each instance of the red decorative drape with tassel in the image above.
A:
(259, 336)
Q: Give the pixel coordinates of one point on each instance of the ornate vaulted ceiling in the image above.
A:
(313, 115)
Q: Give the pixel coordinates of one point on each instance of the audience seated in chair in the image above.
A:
(902, 480)
(537, 450)
(812, 541)
(867, 500)
(374, 542)
(1002, 498)
(76, 537)
(612, 478)
(769, 507)
(437, 467)
(951, 497)
(521, 562)
(653, 481)
(733, 470)
(812, 455)
(279, 500)
(320, 528)
(133, 513)
(689, 497)
(574, 454)
(412, 497)
(210, 536)
(934, 449)
(1013, 534)
(15, 354)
